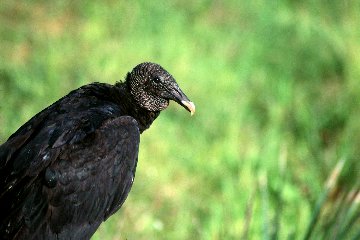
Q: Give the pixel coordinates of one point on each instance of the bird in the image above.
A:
(72, 165)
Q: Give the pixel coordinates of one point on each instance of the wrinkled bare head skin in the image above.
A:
(152, 87)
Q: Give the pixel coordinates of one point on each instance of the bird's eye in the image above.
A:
(157, 79)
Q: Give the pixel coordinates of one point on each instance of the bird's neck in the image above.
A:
(129, 107)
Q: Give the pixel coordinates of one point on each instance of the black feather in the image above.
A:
(72, 165)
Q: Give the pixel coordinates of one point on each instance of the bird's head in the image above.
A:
(152, 87)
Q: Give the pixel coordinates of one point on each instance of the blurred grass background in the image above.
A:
(277, 90)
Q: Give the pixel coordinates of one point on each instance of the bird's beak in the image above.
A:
(179, 97)
(190, 106)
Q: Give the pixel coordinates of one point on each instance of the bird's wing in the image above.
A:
(79, 176)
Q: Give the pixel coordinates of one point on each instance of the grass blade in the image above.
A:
(330, 184)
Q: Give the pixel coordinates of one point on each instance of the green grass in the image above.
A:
(276, 87)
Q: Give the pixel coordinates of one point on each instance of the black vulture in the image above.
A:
(72, 165)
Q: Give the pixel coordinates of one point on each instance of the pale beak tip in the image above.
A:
(190, 106)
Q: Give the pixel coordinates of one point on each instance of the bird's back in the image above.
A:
(68, 168)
